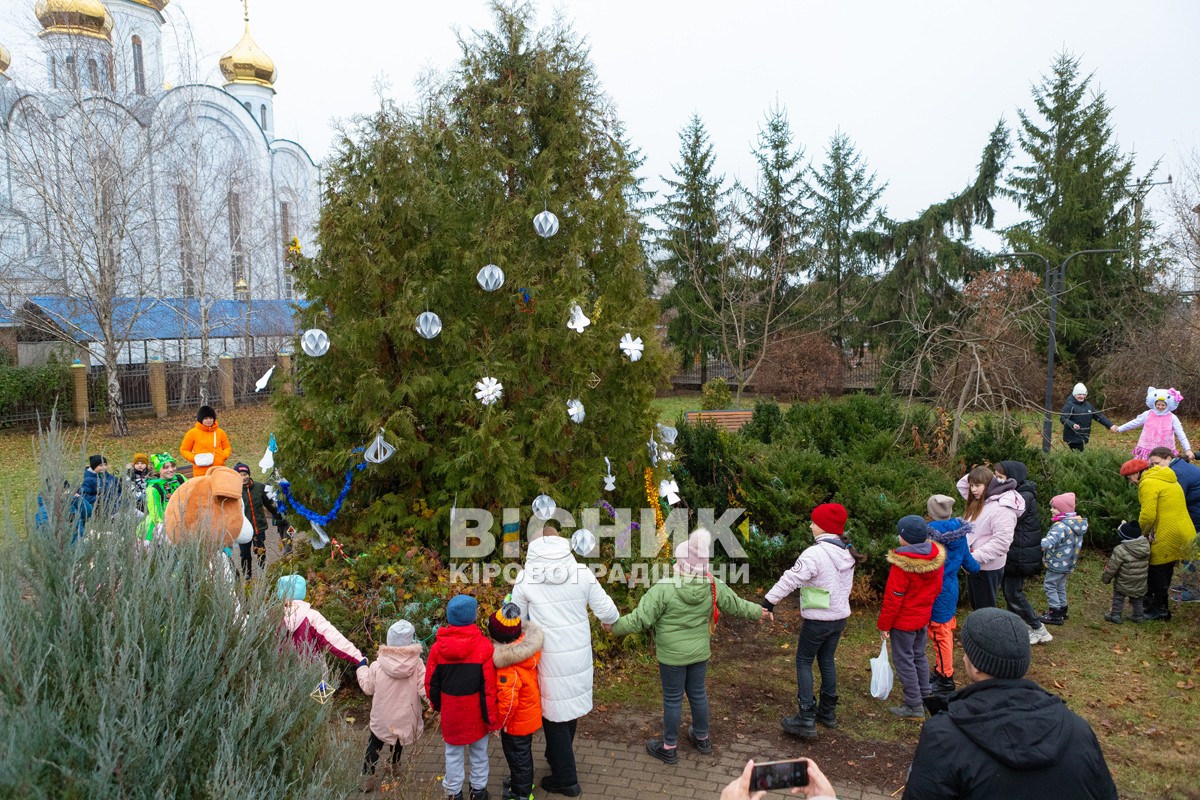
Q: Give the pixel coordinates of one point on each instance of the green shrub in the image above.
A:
(995, 439)
(41, 386)
(765, 423)
(131, 672)
(715, 395)
(1101, 493)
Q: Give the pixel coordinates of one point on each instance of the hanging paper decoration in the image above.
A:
(379, 450)
(453, 510)
(575, 410)
(669, 490)
(593, 381)
(546, 224)
(578, 321)
(317, 537)
(667, 433)
(322, 694)
(652, 450)
(544, 507)
(488, 391)
(610, 480)
(274, 448)
(261, 383)
(429, 325)
(490, 278)
(319, 520)
(314, 342)
(632, 347)
(583, 541)
(267, 463)
(666, 456)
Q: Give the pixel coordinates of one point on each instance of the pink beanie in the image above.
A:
(692, 555)
(1063, 503)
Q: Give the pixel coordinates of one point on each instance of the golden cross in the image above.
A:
(246, 10)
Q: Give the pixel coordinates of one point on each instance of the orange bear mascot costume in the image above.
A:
(208, 507)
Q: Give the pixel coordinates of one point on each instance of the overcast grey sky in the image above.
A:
(916, 85)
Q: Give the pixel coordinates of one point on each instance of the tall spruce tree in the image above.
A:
(843, 196)
(691, 245)
(1074, 187)
(774, 212)
(416, 204)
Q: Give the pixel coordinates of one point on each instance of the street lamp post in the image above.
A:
(1055, 280)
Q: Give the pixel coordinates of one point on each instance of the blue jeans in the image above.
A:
(1055, 584)
(818, 642)
(677, 681)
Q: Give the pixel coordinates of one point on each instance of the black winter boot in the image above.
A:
(942, 684)
(826, 710)
(1065, 615)
(803, 724)
(479, 794)
(1055, 616)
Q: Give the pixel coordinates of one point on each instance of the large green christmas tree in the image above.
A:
(417, 202)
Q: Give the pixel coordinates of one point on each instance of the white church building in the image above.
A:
(151, 210)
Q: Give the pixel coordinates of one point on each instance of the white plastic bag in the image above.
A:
(881, 674)
(204, 459)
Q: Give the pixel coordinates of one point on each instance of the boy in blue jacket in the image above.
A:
(951, 534)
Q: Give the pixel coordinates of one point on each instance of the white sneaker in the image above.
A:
(1039, 635)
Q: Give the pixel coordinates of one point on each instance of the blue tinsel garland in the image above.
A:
(310, 515)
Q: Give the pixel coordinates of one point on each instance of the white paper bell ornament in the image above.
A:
(490, 278)
(667, 433)
(578, 321)
(429, 325)
(610, 480)
(546, 224)
(575, 411)
(314, 342)
(632, 347)
(670, 491)
(583, 542)
(268, 462)
(488, 391)
(261, 383)
(544, 507)
(317, 537)
(379, 450)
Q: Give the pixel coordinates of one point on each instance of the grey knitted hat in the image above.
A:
(940, 506)
(997, 642)
(400, 634)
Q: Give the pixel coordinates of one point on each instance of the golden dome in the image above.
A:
(157, 5)
(247, 63)
(5, 59)
(78, 17)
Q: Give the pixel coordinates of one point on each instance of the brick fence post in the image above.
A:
(225, 380)
(284, 363)
(79, 373)
(158, 387)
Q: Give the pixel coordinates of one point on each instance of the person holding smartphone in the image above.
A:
(816, 786)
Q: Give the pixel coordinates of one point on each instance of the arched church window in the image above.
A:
(72, 76)
(262, 116)
(139, 67)
(93, 74)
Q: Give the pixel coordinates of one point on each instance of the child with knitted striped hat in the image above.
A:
(517, 651)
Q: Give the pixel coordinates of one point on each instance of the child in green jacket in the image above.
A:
(683, 611)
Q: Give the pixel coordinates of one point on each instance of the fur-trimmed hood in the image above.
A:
(945, 531)
(910, 558)
(506, 655)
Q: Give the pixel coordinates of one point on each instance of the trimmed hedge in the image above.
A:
(41, 386)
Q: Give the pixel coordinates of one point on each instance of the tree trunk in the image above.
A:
(116, 403)
(958, 413)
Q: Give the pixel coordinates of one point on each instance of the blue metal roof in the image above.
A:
(7, 318)
(138, 319)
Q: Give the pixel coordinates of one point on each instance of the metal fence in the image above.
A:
(190, 386)
(135, 388)
(246, 373)
(861, 374)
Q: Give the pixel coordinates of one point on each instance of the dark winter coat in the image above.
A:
(1025, 552)
(913, 583)
(951, 534)
(1003, 739)
(258, 505)
(460, 680)
(1129, 565)
(99, 488)
(1189, 481)
(1081, 414)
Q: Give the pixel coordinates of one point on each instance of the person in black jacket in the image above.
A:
(257, 505)
(1004, 737)
(1077, 416)
(1025, 552)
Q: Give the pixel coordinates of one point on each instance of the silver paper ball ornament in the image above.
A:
(490, 278)
(314, 342)
(546, 224)
(544, 507)
(429, 325)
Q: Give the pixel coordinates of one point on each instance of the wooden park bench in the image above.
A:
(725, 420)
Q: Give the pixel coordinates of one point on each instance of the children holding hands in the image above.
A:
(396, 682)
(517, 651)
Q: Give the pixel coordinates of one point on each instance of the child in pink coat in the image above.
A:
(396, 680)
(310, 631)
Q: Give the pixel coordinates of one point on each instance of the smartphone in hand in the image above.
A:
(779, 774)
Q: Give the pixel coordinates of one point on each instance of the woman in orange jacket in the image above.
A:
(205, 444)
(518, 649)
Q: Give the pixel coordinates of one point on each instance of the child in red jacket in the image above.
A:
(913, 584)
(460, 680)
(518, 651)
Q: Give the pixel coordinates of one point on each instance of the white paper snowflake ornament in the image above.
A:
(546, 224)
(583, 542)
(490, 278)
(379, 450)
(666, 456)
(667, 433)
(632, 347)
(578, 321)
(544, 507)
(575, 411)
(670, 491)
(314, 342)
(429, 325)
(488, 391)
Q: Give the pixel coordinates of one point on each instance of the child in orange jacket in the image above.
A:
(205, 444)
(518, 649)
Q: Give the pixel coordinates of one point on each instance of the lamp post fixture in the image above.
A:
(1055, 279)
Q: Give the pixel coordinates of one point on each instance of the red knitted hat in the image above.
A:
(830, 517)
(1133, 466)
